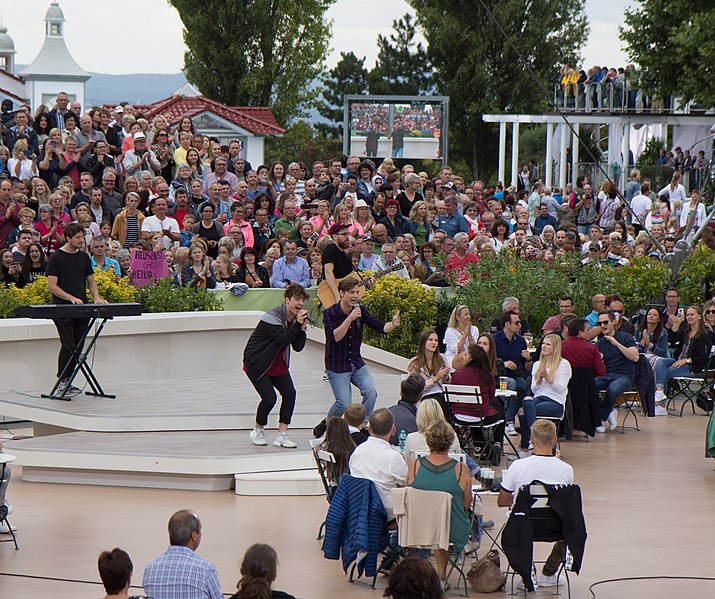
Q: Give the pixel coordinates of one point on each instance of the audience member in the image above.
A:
(258, 573)
(405, 411)
(414, 578)
(355, 417)
(115, 570)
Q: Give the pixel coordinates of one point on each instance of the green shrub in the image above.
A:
(417, 307)
(697, 275)
(164, 296)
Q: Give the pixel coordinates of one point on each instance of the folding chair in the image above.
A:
(5, 459)
(469, 395)
(627, 400)
(325, 461)
(547, 527)
(693, 388)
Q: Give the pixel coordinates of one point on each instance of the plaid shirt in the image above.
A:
(344, 355)
(181, 574)
(608, 212)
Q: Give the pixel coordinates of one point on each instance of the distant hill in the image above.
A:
(136, 89)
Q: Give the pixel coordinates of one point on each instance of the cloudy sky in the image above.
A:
(154, 25)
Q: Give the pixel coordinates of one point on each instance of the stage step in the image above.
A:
(290, 482)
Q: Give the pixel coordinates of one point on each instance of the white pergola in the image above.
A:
(626, 121)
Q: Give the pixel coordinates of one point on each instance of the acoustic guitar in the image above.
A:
(325, 294)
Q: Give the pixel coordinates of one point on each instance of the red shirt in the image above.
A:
(459, 265)
(475, 378)
(581, 353)
(279, 366)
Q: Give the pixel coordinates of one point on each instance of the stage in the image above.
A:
(184, 434)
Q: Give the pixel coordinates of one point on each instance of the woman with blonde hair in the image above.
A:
(460, 333)
(429, 410)
(674, 190)
(20, 165)
(549, 383)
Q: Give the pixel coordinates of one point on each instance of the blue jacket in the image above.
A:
(356, 521)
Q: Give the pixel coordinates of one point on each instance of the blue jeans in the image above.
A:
(340, 384)
(664, 371)
(398, 152)
(615, 385)
(514, 403)
(533, 408)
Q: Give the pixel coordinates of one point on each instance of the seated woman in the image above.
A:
(250, 272)
(549, 383)
(339, 442)
(431, 365)
(438, 472)
(258, 572)
(692, 351)
(709, 318)
(460, 333)
(651, 337)
(477, 373)
(115, 570)
(414, 577)
(225, 270)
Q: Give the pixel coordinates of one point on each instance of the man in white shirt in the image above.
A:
(545, 466)
(161, 223)
(641, 204)
(388, 259)
(378, 461)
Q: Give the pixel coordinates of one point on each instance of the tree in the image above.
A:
(402, 67)
(656, 31)
(348, 77)
(477, 68)
(300, 143)
(256, 52)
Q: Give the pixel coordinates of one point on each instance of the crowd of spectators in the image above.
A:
(132, 183)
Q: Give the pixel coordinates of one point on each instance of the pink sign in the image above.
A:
(147, 267)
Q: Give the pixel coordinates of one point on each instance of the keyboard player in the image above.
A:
(69, 273)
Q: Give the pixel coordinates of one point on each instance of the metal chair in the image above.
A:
(628, 400)
(472, 395)
(327, 468)
(5, 459)
(694, 389)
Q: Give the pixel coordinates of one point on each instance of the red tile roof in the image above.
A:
(258, 120)
(15, 96)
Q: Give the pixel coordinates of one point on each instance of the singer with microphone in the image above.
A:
(344, 365)
(266, 359)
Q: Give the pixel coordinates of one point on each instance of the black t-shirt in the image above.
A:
(342, 265)
(71, 271)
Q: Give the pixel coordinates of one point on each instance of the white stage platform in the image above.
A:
(187, 434)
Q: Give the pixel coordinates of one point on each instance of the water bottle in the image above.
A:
(403, 440)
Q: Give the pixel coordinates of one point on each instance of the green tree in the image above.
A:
(256, 52)
(480, 72)
(402, 67)
(301, 143)
(349, 76)
(657, 30)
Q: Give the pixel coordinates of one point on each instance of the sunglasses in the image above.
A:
(709, 311)
(603, 323)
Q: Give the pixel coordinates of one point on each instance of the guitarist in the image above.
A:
(336, 263)
(344, 365)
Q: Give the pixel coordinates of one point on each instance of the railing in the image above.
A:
(618, 97)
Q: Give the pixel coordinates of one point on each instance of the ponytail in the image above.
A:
(250, 587)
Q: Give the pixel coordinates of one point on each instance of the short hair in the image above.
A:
(543, 431)
(508, 301)
(182, 525)
(566, 319)
(347, 284)
(381, 422)
(355, 414)
(439, 436)
(295, 290)
(611, 315)
(115, 569)
(576, 326)
(459, 237)
(72, 229)
(413, 577)
(506, 318)
(412, 387)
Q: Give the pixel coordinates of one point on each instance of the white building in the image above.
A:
(52, 71)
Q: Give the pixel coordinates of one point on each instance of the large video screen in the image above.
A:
(400, 127)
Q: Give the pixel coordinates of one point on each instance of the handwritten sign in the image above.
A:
(147, 267)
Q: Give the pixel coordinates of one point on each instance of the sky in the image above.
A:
(156, 25)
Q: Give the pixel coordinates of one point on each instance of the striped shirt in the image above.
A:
(181, 574)
(132, 230)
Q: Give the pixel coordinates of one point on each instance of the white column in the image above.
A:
(502, 151)
(562, 157)
(574, 153)
(514, 153)
(549, 151)
(625, 151)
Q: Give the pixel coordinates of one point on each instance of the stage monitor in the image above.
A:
(402, 127)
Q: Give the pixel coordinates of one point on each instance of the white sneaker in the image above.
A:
(551, 581)
(258, 436)
(613, 420)
(660, 396)
(282, 440)
(4, 529)
(601, 429)
(510, 429)
(660, 410)
(523, 453)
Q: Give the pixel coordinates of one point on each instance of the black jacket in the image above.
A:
(699, 347)
(270, 335)
(519, 532)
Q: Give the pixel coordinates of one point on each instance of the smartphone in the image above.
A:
(53, 143)
(681, 312)
(28, 153)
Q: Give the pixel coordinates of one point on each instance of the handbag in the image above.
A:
(485, 575)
